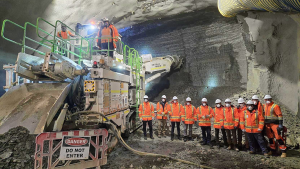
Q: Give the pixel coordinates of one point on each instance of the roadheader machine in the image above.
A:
(68, 87)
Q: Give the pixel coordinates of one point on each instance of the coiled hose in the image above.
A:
(119, 137)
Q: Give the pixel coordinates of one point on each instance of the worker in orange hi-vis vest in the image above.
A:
(146, 114)
(219, 123)
(64, 34)
(162, 112)
(252, 122)
(274, 124)
(260, 107)
(231, 121)
(174, 110)
(188, 118)
(204, 114)
(241, 108)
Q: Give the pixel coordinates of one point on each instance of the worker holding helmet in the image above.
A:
(218, 115)
(241, 108)
(162, 112)
(252, 122)
(188, 118)
(146, 114)
(231, 121)
(274, 124)
(174, 110)
(203, 114)
(107, 37)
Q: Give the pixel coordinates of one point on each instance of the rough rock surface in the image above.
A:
(17, 148)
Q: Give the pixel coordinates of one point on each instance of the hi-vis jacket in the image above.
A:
(174, 110)
(241, 113)
(231, 117)
(146, 111)
(218, 115)
(108, 34)
(203, 111)
(252, 121)
(272, 113)
(188, 114)
(160, 109)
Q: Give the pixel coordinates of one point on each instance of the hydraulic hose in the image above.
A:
(119, 137)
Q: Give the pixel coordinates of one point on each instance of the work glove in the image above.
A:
(245, 130)
(163, 113)
(259, 130)
(207, 116)
(203, 117)
(280, 127)
(141, 119)
(222, 127)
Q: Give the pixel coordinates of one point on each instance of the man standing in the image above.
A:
(162, 112)
(252, 122)
(203, 115)
(231, 121)
(258, 105)
(146, 114)
(64, 34)
(174, 110)
(241, 108)
(188, 117)
(274, 124)
(219, 123)
(108, 36)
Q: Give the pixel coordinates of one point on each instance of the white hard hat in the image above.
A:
(175, 98)
(145, 97)
(250, 102)
(105, 19)
(227, 100)
(204, 100)
(218, 101)
(163, 96)
(267, 97)
(255, 97)
(241, 100)
(188, 99)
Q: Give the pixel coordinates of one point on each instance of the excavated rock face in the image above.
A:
(213, 48)
(17, 149)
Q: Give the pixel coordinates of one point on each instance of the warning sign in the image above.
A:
(74, 148)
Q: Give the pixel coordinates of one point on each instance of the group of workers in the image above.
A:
(107, 37)
(252, 118)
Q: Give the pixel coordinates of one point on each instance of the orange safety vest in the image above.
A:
(241, 114)
(272, 113)
(64, 35)
(231, 117)
(188, 116)
(260, 108)
(251, 122)
(161, 109)
(174, 110)
(146, 111)
(218, 117)
(107, 34)
(203, 111)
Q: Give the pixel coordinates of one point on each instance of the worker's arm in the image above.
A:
(236, 117)
(71, 34)
(158, 110)
(115, 33)
(261, 120)
(278, 112)
(197, 114)
(58, 34)
(152, 111)
(211, 113)
(242, 121)
(166, 109)
(140, 110)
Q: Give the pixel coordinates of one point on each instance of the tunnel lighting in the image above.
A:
(120, 67)
(92, 27)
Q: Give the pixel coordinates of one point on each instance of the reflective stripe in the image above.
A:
(232, 110)
(256, 119)
(272, 115)
(185, 113)
(228, 123)
(144, 108)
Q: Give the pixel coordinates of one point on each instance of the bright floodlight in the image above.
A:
(93, 27)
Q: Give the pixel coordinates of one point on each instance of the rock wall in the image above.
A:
(273, 60)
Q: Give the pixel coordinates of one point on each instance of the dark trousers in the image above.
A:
(104, 46)
(253, 137)
(240, 138)
(229, 140)
(145, 129)
(178, 128)
(206, 134)
(224, 136)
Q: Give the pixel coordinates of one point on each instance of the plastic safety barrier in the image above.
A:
(48, 147)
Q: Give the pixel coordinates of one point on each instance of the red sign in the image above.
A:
(76, 141)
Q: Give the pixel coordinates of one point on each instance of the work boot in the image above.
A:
(159, 136)
(172, 138)
(203, 143)
(184, 139)
(283, 155)
(270, 153)
(191, 139)
(251, 152)
(218, 146)
(210, 146)
(236, 149)
(179, 138)
(152, 137)
(145, 137)
(164, 136)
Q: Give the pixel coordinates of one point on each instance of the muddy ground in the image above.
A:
(195, 152)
